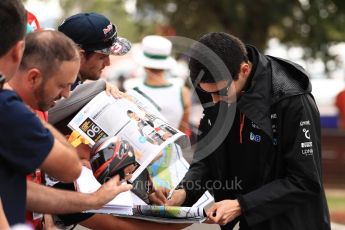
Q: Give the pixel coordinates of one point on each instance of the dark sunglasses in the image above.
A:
(222, 92)
(2, 81)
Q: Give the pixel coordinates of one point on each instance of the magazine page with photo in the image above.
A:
(105, 116)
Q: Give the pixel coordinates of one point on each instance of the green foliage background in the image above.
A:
(311, 24)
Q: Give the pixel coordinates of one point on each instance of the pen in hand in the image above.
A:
(171, 192)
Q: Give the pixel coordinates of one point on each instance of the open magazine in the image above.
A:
(158, 151)
(105, 116)
(127, 204)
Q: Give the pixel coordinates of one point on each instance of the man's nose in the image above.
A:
(65, 92)
(107, 61)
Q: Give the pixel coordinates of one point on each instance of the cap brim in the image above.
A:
(147, 62)
(120, 47)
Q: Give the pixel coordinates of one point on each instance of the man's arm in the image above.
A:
(56, 201)
(302, 182)
(62, 162)
(192, 185)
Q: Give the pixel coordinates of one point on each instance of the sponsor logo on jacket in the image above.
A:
(304, 123)
(307, 152)
(254, 137)
(307, 144)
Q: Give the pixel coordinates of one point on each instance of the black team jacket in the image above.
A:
(270, 159)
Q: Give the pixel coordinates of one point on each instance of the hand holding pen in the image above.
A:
(159, 196)
(176, 197)
(171, 192)
(164, 196)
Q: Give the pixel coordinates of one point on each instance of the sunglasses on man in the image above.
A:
(222, 92)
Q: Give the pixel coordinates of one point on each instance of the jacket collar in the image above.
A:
(255, 103)
(272, 79)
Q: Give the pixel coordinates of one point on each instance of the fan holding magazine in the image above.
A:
(120, 148)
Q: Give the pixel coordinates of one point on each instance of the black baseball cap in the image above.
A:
(94, 32)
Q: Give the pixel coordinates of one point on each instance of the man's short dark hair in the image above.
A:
(12, 24)
(228, 48)
(45, 50)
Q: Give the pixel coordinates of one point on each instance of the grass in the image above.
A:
(336, 203)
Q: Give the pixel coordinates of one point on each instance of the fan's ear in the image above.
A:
(34, 77)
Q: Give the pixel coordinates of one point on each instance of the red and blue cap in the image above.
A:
(94, 32)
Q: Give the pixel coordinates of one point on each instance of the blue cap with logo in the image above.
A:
(94, 32)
